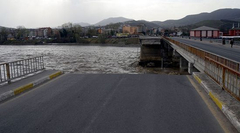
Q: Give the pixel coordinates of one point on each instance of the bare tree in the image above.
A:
(21, 32)
(3, 35)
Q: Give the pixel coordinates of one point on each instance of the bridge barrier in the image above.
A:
(20, 68)
(224, 71)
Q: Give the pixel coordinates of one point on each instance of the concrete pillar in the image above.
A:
(183, 64)
(174, 52)
(190, 67)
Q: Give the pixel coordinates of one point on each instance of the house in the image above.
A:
(10, 37)
(234, 31)
(142, 28)
(120, 29)
(154, 31)
(130, 29)
(44, 32)
(100, 30)
(205, 32)
(32, 33)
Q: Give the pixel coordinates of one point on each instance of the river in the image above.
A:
(82, 59)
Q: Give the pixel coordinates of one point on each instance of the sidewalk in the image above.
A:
(211, 41)
(226, 103)
(17, 87)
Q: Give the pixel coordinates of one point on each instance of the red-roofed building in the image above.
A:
(205, 32)
(234, 32)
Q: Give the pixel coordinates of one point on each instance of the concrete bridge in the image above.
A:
(150, 47)
(220, 62)
(121, 102)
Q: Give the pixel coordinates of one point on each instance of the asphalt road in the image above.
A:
(110, 104)
(228, 52)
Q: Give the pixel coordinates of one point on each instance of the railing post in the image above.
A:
(237, 67)
(223, 75)
(8, 73)
(42, 62)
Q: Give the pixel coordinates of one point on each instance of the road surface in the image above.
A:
(228, 52)
(110, 104)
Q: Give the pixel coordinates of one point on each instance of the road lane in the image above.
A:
(109, 103)
(227, 52)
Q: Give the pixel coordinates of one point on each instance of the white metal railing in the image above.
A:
(17, 69)
(224, 71)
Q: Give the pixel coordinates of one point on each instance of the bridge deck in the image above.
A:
(150, 40)
(216, 48)
(109, 103)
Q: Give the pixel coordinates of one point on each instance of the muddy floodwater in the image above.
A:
(83, 59)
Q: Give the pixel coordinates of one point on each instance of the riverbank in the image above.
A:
(95, 44)
(118, 42)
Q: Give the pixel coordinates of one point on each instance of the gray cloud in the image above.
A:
(39, 13)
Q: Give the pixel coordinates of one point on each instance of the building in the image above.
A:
(32, 33)
(100, 30)
(10, 37)
(142, 29)
(154, 31)
(205, 32)
(234, 31)
(130, 29)
(44, 32)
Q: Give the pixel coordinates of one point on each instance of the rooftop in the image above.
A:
(205, 28)
(237, 28)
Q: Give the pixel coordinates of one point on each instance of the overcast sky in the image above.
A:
(53, 13)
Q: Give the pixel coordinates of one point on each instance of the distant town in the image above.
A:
(70, 33)
(210, 25)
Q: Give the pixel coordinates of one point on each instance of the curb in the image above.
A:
(29, 86)
(221, 105)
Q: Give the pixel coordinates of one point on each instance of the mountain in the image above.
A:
(221, 14)
(5, 28)
(147, 23)
(222, 25)
(83, 24)
(112, 20)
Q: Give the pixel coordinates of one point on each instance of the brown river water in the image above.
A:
(83, 59)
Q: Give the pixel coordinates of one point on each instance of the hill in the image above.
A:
(112, 20)
(221, 14)
(222, 25)
(147, 23)
(83, 24)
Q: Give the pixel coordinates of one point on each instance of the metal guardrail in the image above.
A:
(17, 69)
(224, 71)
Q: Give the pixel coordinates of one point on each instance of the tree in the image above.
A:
(67, 25)
(67, 30)
(3, 35)
(91, 32)
(112, 32)
(102, 38)
(63, 33)
(77, 30)
(70, 30)
(21, 32)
